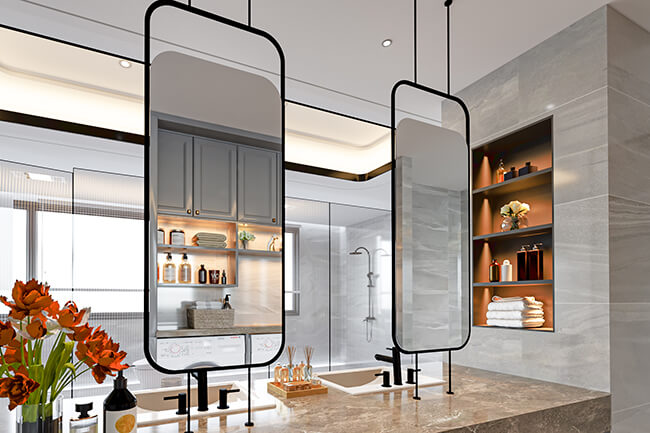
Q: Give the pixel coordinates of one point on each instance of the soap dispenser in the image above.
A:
(495, 271)
(120, 408)
(85, 423)
(226, 303)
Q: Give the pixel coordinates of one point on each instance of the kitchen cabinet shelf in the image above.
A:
(166, 248)
(519, 233)
(514, 283)
(517, 184)
(199, 286)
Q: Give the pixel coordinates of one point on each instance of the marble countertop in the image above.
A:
(485, 402)
(235, 330)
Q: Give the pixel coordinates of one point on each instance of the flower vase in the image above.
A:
(308, 373)
(41, 417)
(514, 223)
(244, 244)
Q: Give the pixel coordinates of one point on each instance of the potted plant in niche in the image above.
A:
(245, 237)
(32, 379)
(514, 215)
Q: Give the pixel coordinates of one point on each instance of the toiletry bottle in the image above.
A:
(226, 303)
(506, 271)
(177, 237)
(161, 236)
(203, 275)
(120, 408)
(522, 263)
(495, 271)
(510, 174)
(535, 263)
(224, 280)
(169, 270)
(85, 423)
(277, 373)
(185, 271)
(501, 170)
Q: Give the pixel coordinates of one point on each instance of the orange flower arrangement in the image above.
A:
(27, 375)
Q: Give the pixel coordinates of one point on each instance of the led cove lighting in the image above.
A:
(387, 43)
(125, 64)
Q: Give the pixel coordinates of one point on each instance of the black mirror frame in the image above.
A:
(147, 148)
(394, 214)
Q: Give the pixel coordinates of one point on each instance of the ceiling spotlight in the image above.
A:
(550, 106)
(125, 64)
(387, 43)
(39, 176)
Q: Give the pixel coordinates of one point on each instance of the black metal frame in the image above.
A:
(147, 143)
(460, 102)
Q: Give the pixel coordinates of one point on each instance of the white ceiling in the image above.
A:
(335, 45)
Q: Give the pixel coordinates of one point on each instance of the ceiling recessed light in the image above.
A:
(550, 106)
(387, 43)
(125, 63)
(39, 176)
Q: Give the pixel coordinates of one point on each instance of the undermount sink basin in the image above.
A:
(153, 409)
(363, 381)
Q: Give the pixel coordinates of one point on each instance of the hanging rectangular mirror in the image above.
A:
(214, 108)
(431, 208)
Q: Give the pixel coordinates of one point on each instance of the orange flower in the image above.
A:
(30, 299)
(80, 333)
(70, 317)
(13, 351)
(102, 354)
(17, 388)
(35, 329)
(7, 333)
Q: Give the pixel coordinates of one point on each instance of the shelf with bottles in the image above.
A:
(266, 238)
(197, 286)
(202, 270)
(180, 249)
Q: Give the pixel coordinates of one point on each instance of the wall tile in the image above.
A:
(629, 240)
(581, 252)
(628, 52)
(581, 175)
(581, 124)
(566, 66)
(632, 420)
(630, 352)
(629, 147)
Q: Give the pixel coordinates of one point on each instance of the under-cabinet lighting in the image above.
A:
(125, 64)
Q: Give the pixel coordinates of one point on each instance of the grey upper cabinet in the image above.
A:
(258, 186)
(215, 179)
(174, 173)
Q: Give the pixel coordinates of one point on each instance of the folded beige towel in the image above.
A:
(205, 236)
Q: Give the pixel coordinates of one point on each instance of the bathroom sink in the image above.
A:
(153, 409)
(363, 381)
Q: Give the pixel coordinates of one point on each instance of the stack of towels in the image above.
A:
(517, 312)
(211, 240)
(208, 305)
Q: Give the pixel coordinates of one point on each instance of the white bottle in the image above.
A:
(506, 271)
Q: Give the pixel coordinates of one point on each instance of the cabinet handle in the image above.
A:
(189, 211)
(196, 212)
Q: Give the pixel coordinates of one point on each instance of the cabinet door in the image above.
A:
(258, 186)
(174, 173)
(215, 179)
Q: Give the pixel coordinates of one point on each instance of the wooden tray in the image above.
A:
(278, 391)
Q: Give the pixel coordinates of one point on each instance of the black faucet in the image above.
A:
(223, 397)
(396, 361)
(201, 377)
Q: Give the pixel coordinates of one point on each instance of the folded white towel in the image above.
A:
(529, 300)
(512, 323)
(513, 306)
(520, 314)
